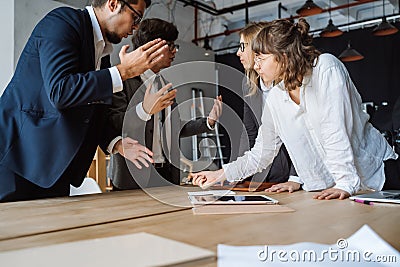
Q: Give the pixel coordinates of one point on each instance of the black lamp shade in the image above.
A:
(207, 45)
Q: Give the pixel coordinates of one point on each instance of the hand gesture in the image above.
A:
(143, 58)
(216, 111)
(155, 102)
(135, 152)
(332, 193)
(206, 179)
(282, 187)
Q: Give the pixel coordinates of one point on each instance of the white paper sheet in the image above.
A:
(363, 248)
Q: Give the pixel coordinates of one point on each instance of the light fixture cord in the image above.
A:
(330, 9)
(348, 15)
(383, 1)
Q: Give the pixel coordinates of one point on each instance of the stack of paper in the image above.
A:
(364, 248)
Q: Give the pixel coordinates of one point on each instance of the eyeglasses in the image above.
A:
(138, 18)
(242, 46)
(258, 58)
(172, 46)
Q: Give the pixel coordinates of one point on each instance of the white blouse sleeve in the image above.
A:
(262, 154)
(335, 97)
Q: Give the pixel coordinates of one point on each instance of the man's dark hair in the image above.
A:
(99, 3)
(150, 29)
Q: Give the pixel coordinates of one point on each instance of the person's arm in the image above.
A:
(336, 122)
(250, 130)
(293, 177)
(60, 56)
(201, 125)
(215, 113)
(260, 157)
(60, 50)
(120, 102)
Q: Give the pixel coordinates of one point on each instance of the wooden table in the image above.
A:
(27, 218)
(44, 222)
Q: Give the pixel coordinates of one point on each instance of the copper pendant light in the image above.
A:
(384, 28)
(309, 8)
(349, 54)
(331, 30)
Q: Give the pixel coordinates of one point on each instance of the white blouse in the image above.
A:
(328, 136)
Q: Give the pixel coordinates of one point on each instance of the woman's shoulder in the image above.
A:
(327, 61)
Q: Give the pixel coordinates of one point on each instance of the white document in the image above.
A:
(364, 248)
(212, 192)
(141, 249)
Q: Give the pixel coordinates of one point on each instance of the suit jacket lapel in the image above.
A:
(90, 38)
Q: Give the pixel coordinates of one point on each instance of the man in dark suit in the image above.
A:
(159, 129)
(52, 113)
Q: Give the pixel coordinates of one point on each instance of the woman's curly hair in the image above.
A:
(291, 44)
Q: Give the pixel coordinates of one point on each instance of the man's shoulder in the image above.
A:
(74, 17)
(66, 12)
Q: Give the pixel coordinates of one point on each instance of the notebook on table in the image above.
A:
(388, 196)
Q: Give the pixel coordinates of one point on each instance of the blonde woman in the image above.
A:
(256, 91)
(315, 110)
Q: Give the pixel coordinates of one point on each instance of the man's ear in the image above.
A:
(112, 5)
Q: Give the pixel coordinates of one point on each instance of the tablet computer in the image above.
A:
(231, 199)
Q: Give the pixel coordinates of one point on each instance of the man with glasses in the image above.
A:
(52, 113)
(157, 125)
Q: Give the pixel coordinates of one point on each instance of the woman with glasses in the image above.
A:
(255, 92)
(315, 109)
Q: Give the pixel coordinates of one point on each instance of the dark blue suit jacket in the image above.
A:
(52, 112)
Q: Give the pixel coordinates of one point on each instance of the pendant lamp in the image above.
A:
(331, 30)
(349, 54)
(207, 45)
(384, 28)
(309, 8)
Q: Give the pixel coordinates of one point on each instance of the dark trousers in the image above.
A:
(25, 190)
(155, 180)
(392, 173)
(74, 174)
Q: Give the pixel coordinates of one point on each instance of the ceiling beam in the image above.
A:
(216, 12)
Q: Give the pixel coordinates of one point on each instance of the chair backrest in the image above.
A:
(89, 186)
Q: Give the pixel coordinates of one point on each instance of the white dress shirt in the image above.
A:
(328, 136)
(103, 48)
(265, 91)
(157, 149)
